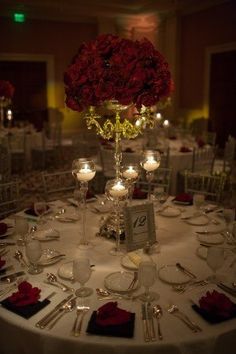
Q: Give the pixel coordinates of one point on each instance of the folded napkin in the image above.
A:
(3, 228)
(184, 198)
(139, 194)
(185, 149)
(109, 320)
(25, 302)
(215, 307)
(2, 263)
(128, 150)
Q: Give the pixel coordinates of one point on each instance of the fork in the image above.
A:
(135, 278)
(174, 310)
(84, 310)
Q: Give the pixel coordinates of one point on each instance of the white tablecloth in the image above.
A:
(178, 242)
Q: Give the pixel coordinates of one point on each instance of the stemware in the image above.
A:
(117, 190)
(21, 227)
(215, 260)
(147, 274)
(33, 252)
(84, 171)
(150, 162)
(198, 200)
(130, 172)
(81, 273)
(229, 215)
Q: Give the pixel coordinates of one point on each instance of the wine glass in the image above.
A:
(198, 200)
(33, 252)
(215, 260)
(229, 215)
(81, 273)
(40, 209)
(159, 196)
(147, 274)
(21, 228)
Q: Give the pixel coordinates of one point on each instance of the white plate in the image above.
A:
(172, 275)
(120, 282)
(211, 239)
(126, 260)
(65, 271)
(201, 220)
(46, 258)
(170, 212)
(202, 252)
(46, 235)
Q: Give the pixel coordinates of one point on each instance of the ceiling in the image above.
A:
(90, 10)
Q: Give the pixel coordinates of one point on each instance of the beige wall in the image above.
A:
(200, 30)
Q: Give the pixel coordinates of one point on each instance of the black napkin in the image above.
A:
(212, 317)
(122, 330)
(25, 311)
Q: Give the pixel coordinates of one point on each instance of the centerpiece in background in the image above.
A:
(6, 94)
(117, 74)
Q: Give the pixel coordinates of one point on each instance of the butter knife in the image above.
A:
(186, 271)
(227, 289)
(46, 319)
(206, 232)
(151, 322)
(17, 274)
(145, 324)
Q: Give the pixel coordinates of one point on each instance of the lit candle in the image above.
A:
(130, 173)
(151, 164)
(118, 190)
(9, 114)
(166, 123)
(158, 116)
(85, 174)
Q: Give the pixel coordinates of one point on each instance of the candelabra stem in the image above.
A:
(117, 251)
(149, 177)
(118, 153)
(84, 188)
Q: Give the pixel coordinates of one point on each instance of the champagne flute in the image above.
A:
(33, 252)
(215, 260)
(21, 228)
(147, 274)
(81, 273)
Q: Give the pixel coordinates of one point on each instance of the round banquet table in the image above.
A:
(178, 243)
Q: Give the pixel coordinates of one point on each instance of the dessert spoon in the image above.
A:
(157, 313)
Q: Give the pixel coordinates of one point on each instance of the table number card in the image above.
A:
(139, 226)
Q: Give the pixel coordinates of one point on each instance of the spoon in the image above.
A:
(157, 313)
(109, 295)
(19, 256)
(52, 278)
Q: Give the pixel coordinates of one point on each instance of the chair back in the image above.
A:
(58, 184)
(211, 186)
(229, 154)
(5, 161)
(203, 159)
(162, 178)
(9, 198)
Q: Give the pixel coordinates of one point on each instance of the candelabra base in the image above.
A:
(108, 228)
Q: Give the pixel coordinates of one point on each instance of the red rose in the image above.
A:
(6, 89)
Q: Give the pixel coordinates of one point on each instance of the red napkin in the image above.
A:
(3, 228)
(26, 295)
(89, 195)
(200, 142)
(185, 149)
(2, 263)
(184, 197)
(110, 314)
(139, 194)
(218, 304)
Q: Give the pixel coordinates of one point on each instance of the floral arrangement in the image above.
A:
(6, 89)
(113, 68)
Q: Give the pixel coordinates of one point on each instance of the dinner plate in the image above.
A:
(131, 260)
(65, 271)
(170, 212)
(201, 220)
(172, 275)
(202, 252)
(211, 239)
(120, 282)
(47, 257)
(46, 235)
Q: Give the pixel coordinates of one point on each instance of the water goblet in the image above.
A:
(81, 273)
(229, 215)
(33, 252)
(40, 209)
(198, 200)
(21, 228)
(147, 274)
(215, 260)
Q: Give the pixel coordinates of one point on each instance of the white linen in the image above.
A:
(178, 243)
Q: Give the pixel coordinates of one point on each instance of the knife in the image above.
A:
(7, 243)
(206, 232)
(16, 274)
(227, 289)
(186, 271)
(145, 324)
(151, 323)
(46, 319)
(3, 271)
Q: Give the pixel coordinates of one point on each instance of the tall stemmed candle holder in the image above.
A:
(130, 172)
(84, 170)
(150, 162)
(117, 191)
